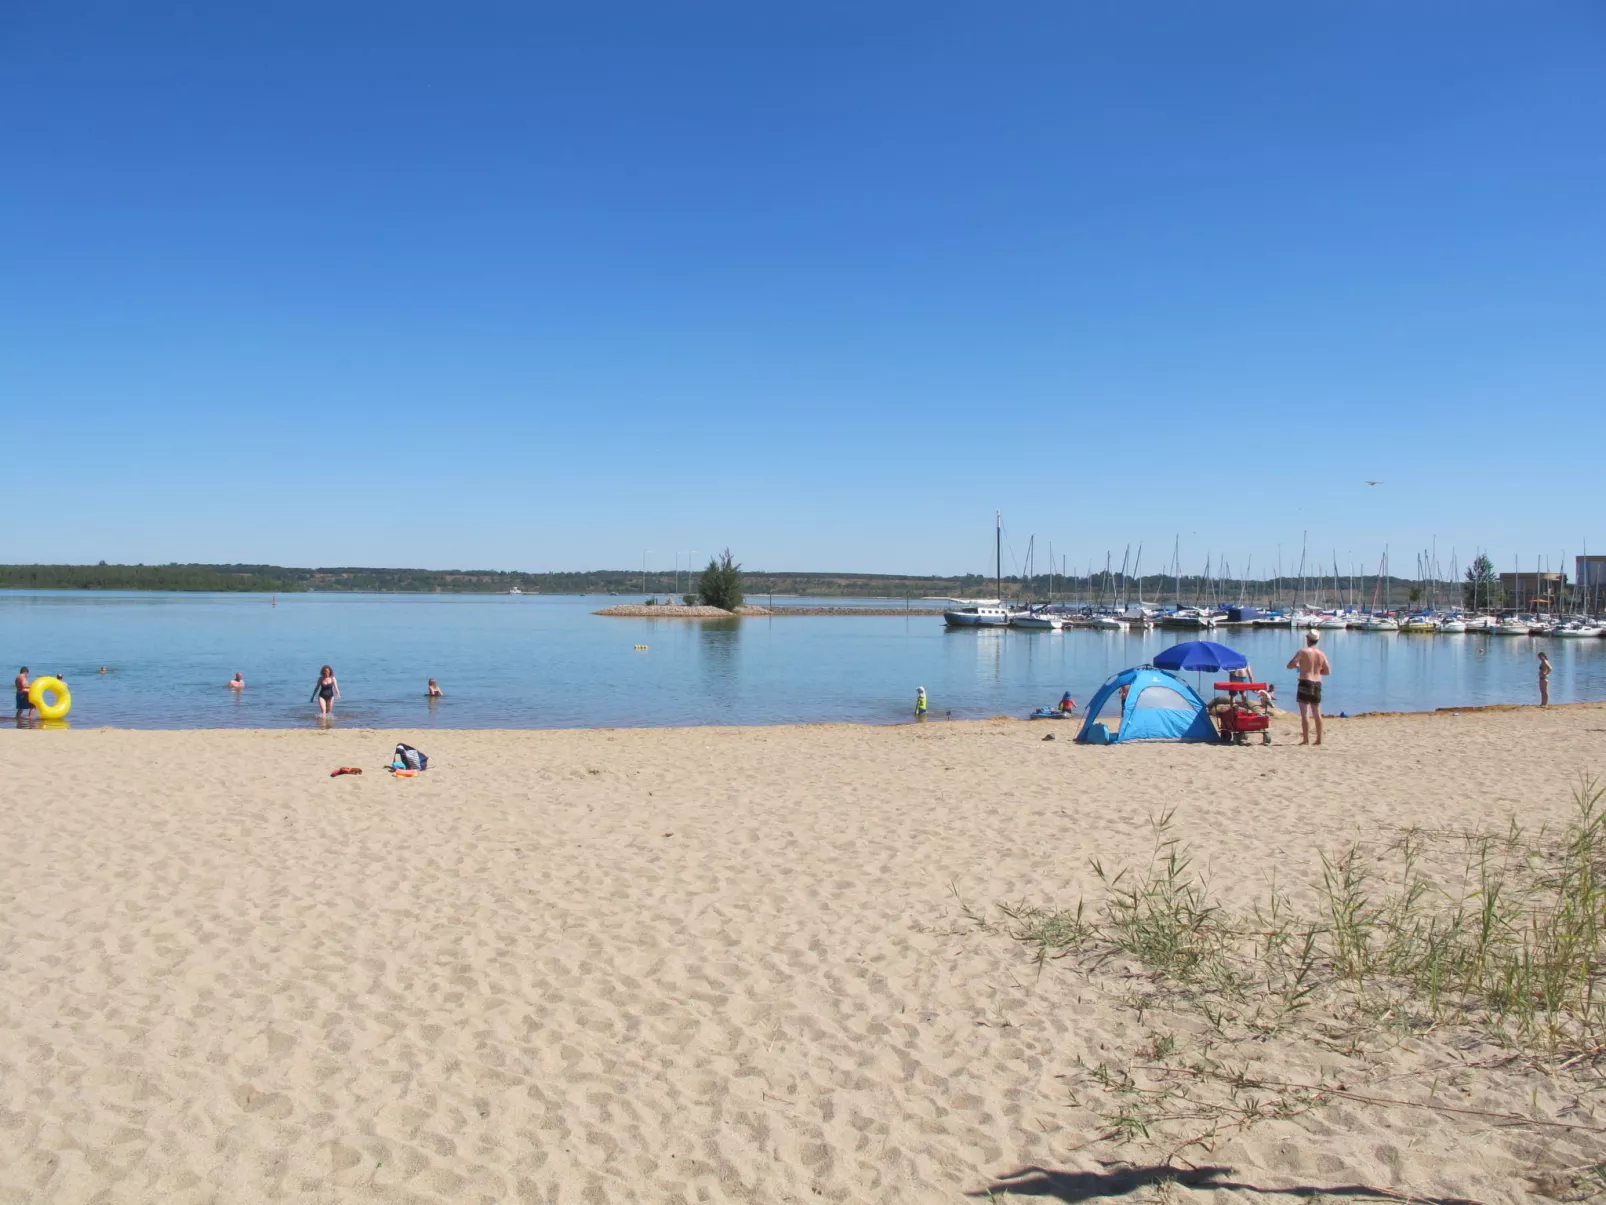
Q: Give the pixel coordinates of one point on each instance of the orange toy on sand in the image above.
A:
(344, 770)
(405, 773)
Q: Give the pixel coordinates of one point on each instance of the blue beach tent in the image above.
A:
(1158, 707)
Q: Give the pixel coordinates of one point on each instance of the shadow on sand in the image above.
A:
(1119, 1179)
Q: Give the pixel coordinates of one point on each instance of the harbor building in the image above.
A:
(1533, 591)
(1591, 573)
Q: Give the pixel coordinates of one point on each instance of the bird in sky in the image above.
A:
(1374, 483)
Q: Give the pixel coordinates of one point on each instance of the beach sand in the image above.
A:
(675, 964)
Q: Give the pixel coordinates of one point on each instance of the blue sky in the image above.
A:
(530, 286)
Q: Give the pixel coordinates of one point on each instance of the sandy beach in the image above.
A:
(680, 964)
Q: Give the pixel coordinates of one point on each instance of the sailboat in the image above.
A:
(984, 613)
(1376, 621)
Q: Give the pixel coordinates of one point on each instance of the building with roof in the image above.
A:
(1533, 591)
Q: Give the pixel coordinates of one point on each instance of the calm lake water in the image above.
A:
(547, 662)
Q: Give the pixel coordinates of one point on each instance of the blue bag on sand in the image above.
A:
(408, 758)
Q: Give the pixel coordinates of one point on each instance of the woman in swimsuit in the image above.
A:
(435, 691)
(327, 691)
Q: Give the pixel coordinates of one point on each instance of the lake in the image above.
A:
(539, 661)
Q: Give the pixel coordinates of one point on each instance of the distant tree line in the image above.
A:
(1098, 586)
(212, 578)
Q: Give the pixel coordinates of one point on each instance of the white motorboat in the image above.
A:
(1037, 621)
(1453, 626)
(1576, 631)
(1188, 617)
(1513, 627)
(1380, 623)
(1333, 623)
(1104, 623)
(1305, 619)
(1482, 623)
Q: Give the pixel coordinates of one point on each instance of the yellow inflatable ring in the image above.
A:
(50, 711)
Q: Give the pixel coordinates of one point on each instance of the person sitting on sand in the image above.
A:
(23, 685)
(435, 692)
(237, 682)
(326, 691)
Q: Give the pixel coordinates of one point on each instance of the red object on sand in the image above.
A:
(345, 770)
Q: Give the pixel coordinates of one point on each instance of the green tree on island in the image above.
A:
(721, 583)
(1482, 587)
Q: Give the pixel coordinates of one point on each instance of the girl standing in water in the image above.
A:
(327, 691)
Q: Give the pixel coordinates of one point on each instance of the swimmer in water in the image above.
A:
(237, 682)
(435, 692)
(326, 691)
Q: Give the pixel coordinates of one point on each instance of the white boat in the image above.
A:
(1037, 621)
(1576, 631)
(1104, 623)
(1333, 623)
(1380, 623)
(515, 590)
(1305, 619)
(1482, 623)
(1188, 617)
(979, 616)
(1513, 627)
(1453, 626)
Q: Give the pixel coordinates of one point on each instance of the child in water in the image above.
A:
(920, 703)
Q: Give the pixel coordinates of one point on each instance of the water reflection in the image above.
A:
(717, 648)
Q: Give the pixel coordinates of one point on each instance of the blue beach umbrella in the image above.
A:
(1206, 656)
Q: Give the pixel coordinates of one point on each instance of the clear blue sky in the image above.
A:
(530, 286)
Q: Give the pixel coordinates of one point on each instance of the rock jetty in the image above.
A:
(642, 611)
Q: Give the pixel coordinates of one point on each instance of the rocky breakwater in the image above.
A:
(642, 611)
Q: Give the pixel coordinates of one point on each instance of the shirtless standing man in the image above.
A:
(1313, 666)
(22, 685)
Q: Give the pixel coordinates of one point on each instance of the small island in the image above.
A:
(681, 611)
(719, 596)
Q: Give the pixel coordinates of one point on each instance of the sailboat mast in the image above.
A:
(998, 554)
(1304, 537)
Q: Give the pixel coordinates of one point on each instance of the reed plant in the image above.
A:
(1497, 934)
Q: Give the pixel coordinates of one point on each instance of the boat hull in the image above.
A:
(969, 619)
(1037, 623)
